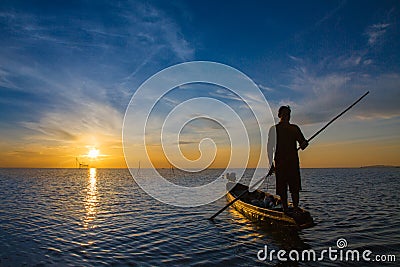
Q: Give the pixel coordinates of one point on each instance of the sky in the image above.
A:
(68, 70)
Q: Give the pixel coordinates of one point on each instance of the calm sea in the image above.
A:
(83, 217)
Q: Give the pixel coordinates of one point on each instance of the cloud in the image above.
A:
(331, 13)
(5, 79)
(383, 102)
(78, 69)
(157, 28)
(224, 94)
(51, 130)
(323, 88)
(323, 96)
(319, 97)
(177, 43)
(350, 61)
(90, 119)
(376, 32)
(265, 88)
(368, 61)
(124, 40)
(181, 142)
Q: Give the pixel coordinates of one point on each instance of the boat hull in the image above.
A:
(268, 217)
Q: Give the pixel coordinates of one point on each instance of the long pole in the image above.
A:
(271, 169)
(344, 111)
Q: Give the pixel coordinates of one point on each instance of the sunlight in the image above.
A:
(93, 153)
(92, 177)
(91, 201)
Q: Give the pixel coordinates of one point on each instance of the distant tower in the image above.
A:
(138, 170)
(81, 165)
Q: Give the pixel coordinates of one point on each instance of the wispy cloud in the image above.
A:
(79, 70)
(224, 94)
(5, 80)
(325, 96)
(89, 120)
(323, 88)
(376, 32)
(265, 88)
(331, 13)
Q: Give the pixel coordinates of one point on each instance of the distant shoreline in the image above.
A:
(380, 166)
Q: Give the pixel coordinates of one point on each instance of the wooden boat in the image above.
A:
(293, 218)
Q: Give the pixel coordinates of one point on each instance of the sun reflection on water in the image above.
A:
(91, 200)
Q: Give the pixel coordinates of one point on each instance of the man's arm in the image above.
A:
(301, 139)
(271, 144)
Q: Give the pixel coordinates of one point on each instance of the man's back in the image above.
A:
(287, 169)
(287, 136)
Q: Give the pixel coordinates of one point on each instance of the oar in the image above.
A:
(236, 199)
(271, 169)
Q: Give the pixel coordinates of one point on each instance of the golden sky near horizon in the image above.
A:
(67, 76)
(317, 155)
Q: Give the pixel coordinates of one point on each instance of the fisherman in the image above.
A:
(286, 160)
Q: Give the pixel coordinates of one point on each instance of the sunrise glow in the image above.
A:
(317, 58)
(93, 153)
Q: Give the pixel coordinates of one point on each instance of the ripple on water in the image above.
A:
(81, 217)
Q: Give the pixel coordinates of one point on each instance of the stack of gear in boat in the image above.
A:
(263, 200)
(256, 198)
(268, 201)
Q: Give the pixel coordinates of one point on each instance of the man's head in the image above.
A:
(284, 113)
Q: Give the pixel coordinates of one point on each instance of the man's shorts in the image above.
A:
(287, 176)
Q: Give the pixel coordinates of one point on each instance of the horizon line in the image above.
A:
(355, 167)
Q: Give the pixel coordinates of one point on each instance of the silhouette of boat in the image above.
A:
(294, 218)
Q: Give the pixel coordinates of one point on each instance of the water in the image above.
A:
(101, 217)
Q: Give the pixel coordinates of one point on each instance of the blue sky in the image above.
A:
(68, 69)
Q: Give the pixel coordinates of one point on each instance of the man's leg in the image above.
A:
(281, 190)
(295, 199)
(284, 199)
(295, 187)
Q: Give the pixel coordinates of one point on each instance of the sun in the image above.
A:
(93, 153)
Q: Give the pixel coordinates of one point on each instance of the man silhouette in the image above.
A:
(287, 169)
